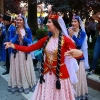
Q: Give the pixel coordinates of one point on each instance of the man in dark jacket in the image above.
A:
(8, 32)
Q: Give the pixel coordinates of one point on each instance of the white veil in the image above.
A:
(70, 62)
(25, 20)
(84, 47)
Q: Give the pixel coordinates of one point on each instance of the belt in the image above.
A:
(53, 66)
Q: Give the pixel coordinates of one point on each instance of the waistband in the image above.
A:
(53, 66)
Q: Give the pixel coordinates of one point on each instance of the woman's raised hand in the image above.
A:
(71, 32)
(18, 31)
(9, 45)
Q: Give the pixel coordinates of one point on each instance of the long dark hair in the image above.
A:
(55, 22)
(58, 85)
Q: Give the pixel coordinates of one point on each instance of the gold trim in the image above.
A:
(54, 57)
(62, 41)
(60, 74)
(45, 69)
(54, 66)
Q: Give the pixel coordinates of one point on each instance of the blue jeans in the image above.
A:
(96, 53)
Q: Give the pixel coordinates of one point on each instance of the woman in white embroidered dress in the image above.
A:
(78, 35)
(22, 75)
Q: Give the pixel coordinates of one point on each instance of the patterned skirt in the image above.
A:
(22, 76)
(81, 87)
(47, 90)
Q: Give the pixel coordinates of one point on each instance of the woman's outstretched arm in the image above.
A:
(31, 48)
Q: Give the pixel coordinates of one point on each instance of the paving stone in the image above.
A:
(95, 98)
(5, 95)
(98, 96)
(93, 92)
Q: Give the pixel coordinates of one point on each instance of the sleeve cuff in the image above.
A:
(79, 57)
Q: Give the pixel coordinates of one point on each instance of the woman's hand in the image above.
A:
(71, 32)
(19, 33)
(9, 45)
(74, 53)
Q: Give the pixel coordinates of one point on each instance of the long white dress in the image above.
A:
(81, 87)
(22, 75)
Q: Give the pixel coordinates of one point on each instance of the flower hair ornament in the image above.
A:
(53, 16)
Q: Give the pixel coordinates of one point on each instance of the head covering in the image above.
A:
(80, 21)
(53, 16)
(61, 23)
(63, 26)
(7, 18)
(25, 20)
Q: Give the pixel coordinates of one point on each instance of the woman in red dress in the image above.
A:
(54, 83)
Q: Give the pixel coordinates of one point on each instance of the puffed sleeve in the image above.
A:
(79, 41)
(70, 45)
(33, 47)
(13, 32)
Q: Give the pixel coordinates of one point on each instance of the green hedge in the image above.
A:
(40, 33)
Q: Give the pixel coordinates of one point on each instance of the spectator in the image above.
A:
(92, 28)
(86, 27)
(7, 32)
(96, 53)
(41, 20)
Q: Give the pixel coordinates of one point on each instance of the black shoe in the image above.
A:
(5, 73)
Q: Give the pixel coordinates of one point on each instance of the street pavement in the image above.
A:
(5, 95)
